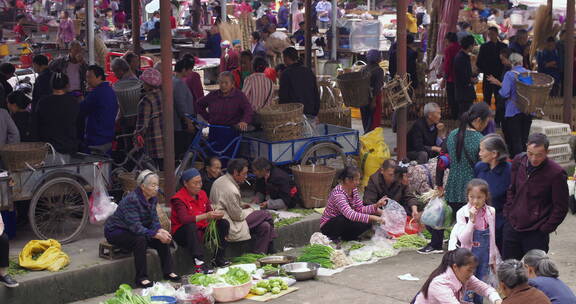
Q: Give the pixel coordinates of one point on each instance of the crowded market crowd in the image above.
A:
(507, 195)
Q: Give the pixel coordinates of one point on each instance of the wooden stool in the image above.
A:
(111, 252)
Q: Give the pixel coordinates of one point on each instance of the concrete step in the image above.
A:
(89, 276)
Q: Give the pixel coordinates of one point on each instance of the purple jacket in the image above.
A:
(536, 201)
(225, 110)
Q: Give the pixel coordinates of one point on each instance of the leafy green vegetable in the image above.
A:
(204, 279)
(270, 268)
(247, 258)
(410, 241)
(356, 246)
(303, 212)
(287, 221)
(236, 276)
(319, 254)
(124, 295)
(212, 238)
(14, 268)
(258, 291)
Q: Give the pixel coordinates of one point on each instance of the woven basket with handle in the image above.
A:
(314, 184)
(23, 155)
(282, 121)
(533, 97)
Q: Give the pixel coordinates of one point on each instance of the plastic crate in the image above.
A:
(557, 133)
(560, 153)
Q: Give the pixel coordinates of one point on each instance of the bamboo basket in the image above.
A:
(282, 121)
(397, 92)
(532, 98)
(355, 88)
(23, 155)
(314, 184)
(339, 116)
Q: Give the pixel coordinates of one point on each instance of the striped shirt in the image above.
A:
(339, 203)
(258, 89)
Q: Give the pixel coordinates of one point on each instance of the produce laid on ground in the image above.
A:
(234, 277)
(247, 258)
(125, 295)
(318, 254)
(274, 286)
(411, 241)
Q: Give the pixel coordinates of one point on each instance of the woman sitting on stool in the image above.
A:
(135, 226)
(191, 212)
(345, 217)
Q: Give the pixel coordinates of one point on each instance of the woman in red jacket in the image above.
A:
(191, 212)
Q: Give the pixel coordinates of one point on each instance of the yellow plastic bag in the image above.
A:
(373, 152)
(49, 252)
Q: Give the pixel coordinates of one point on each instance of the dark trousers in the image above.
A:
(516, 244)
(188, 237)
(366, 114)
(341, 228)
(4, 249)
(516, 131)
(182, 141)
(490, 90)
(138, 245)
(452, 101)
(438, 235)
(261, 225)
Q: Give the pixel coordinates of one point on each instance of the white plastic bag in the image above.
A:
(362, 255)
(159, 289)
(394, 217)
(195, 294)
(437, 214)
(101, 206)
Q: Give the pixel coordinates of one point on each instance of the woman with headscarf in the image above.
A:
(149, 120)
(372, 113)
(135, 226)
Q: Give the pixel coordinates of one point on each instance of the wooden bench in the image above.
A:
(111, 252)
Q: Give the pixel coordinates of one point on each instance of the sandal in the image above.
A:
(172, 277)
(144, 283)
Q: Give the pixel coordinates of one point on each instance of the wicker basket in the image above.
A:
(314, 184)
(355, 88)
(532, 98)
(282, 121)
(23, 155)
(336, 116)
(128, 93)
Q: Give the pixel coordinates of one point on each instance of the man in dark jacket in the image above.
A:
(384, 183)
(423, 140)
(464, 79)
(273, 186)
(42, 85)
(537, 200)
(298, 84)
(74, 66)
(489, 63)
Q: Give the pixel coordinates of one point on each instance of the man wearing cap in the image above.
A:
(191, 213)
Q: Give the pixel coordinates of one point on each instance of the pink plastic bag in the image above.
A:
(101, 206)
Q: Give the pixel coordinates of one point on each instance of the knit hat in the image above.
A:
(189, 174)
(152, 77)
(235, 42)
(373, 56)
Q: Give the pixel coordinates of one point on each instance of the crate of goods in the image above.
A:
(560, 153)
(314, 184)
(557, 133)
(282, 121)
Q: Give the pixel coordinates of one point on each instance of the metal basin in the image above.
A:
(301, 271)
(276, 260)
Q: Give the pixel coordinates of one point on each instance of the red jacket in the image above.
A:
(185, 209)
(447, 67)
(536, 201)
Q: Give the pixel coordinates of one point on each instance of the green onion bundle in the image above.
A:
(319, 254)
(212, 238)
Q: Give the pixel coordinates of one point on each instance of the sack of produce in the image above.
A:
(394, 218)
(437, 214)
(373, 152)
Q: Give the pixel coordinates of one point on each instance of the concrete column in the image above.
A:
(569, 62)
(167, 96)
(223, 10)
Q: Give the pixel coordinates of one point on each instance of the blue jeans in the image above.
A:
(481, 249)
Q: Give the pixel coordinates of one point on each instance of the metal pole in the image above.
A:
(569, 62)
(90, 31)
(136, 26)
(223, 11)
(307, 32)
(401, 60)
(334, 53)
(167, 96)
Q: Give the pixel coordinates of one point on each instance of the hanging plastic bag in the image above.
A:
(437, 214)
(373, 152)
(394, 218)
(101, 206)
(48, 253)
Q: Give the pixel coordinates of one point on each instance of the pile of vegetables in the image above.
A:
(274, 285)
(319, 254)
(410, 241)
(211, 238)
(248, 258)
(234, 277)
(287, 221)
(124, 295)
(356, 246)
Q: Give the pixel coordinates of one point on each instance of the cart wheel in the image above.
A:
(59, 210)
(327, 154)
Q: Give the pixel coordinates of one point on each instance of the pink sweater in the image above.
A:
(447, 289)
(463, 231)
(339, 203)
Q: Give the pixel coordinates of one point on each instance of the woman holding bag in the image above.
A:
(462, 145)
